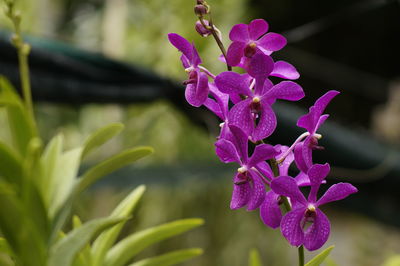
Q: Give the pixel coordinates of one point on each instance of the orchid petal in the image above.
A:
(262, 86)
(284, 166)
(185, 61)
(239, 33)
(261, 153)
(240, 194)
(285, 70)
(240, 140)
(317, 234)
(271, 42)
(266, 125)
(257, 193)
(337, 192)
(285, 90)
(181, 44)
(270, 212)
(240, 116)
(226, 151)
(259, 65)
(291, 226)
(257, 28)
(265, 169)
(317, 173)
(232, 82)
(298, 157)
(309, 121)
(302, 180)
(286, 186)
(196, 94)
(213, 106)
(235, 53)
(196, 60)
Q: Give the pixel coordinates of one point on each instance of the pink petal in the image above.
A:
(231, 82)
(259, 65)
(181, 44)
(317, 173)
(310, 120)
(240, 194)
(240, 116)
(266, 124)
(257, 28)
(302, 180)
(196, 94)
(213, 106)
(240, 140)
(271, 42)
(285, 70)
(185, 61)
(196, 60)
(261, 153)
(262, 86)
(284, 166)
(265, 169)
(270, 211)
(298, 157)
(226, 151)
(235, 53)
(286, 186)
(317, 234)
(257, 193)
(285, 90)
(337, 192)
(291, 227)
(239, 33)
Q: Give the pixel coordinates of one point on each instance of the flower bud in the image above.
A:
(203, 31)
(200, 10)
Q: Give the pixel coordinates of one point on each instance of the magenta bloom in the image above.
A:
(248, 188)
(257, 105)
(311, 122)
(248, 39)
(197, 85)
(293, 224)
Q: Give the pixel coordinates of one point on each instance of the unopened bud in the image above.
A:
(200, 10)
(17, 16)
(203, 31)
(200, 2)
(26, 49)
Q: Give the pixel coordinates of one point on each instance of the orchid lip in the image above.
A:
(256, 99)
(311, 208)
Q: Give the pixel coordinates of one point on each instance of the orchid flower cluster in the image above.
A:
(243, 103)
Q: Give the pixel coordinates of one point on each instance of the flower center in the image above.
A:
(311, 208)
(242, 169)
(250, 49)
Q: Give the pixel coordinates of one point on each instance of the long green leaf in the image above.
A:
(63, 181)
(101, 136)
(317, 260)
(84, 257)
(254, 258)
(10, 165)
(111, 164)
(106, 239)
(123, 251)
(170, 258)
(21, 126)
(64, 252)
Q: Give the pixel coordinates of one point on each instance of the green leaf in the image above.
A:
(84, 257)
(104, 242)
(111, 164)
(64, 251)
(10, 165)
(170, 258)
(254, 258)
(64, 178)
(317, 260)
(124, 250)
(101, 136)
(392, 261)
(21, 125)
(4, 247)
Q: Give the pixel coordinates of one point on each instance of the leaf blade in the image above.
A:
(170, 258)
(317, 260)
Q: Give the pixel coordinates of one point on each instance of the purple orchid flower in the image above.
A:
(248, 188)
(247, 40)
(270, 210)
(293, 224)
(257, 105)
(197, 85)
(311, 122)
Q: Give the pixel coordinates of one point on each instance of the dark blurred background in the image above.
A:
(100, 61)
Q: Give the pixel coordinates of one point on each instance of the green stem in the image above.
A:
(300, 251)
